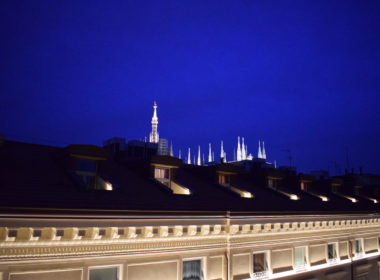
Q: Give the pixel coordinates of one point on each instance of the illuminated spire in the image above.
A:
(259, 154)
(275, 164)
(222, 153)
(153, 137)
(243, 152)
(213, 156)
(209, 153)
(188, 157)
(199, 156)
(179, 154)
(238, 152)
(171, 149)
(263, 152)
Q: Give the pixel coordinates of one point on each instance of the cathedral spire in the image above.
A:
(153, 137)
(263, 152)
(179, 154)
(188, 157)
(222, 153)
(243, 151)
(171, 149)
(238, 152)
(259, 154)
(199, 156)
(209, 153)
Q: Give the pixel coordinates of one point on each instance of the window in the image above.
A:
(332, 255)
(260, 265)
(273, 183)
(162, 173)
(304, 185)
(192, 270)
(300, 258)
(358, 247)
(104, 273)
(224, 179)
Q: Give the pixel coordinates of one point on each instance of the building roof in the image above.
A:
(40, 177)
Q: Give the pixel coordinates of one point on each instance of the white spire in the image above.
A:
(263, 152)
(259, 154)
(199, 156)
(209, 153)
(179, 154)
(238, 152)
(171, 149)
(188, 157)
(153, 137)
(243, 152)
(222, 153)
(275, 164)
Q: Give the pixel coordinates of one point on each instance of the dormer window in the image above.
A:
(273, 183)
(224, 179)
(87, 171)
(164, 175)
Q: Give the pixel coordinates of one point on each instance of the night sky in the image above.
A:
(300, 75)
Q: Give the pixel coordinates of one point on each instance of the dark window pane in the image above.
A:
(104, 274)
(192, 270)
(85, 165)
(259, 263)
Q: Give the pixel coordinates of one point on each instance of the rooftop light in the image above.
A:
(108, 186)
(294, 197)
(375, 201)
(324, 198)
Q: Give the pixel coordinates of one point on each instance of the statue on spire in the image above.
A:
(153, 137)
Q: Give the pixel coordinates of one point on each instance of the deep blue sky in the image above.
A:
(301, 75)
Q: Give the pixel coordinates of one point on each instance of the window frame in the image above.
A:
(362, 253)
(307, 261)
(267, 254)
(118, 266)
(336, 244)
(203, 265)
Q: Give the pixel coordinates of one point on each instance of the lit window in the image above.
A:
(224, 179)
(107, 273)
(304, 185)
(192, 270)
(260, 265)
(300, 258)
(163, 175)
(358, 247)
(332, 255)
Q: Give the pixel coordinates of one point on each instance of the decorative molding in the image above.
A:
(27, 242)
